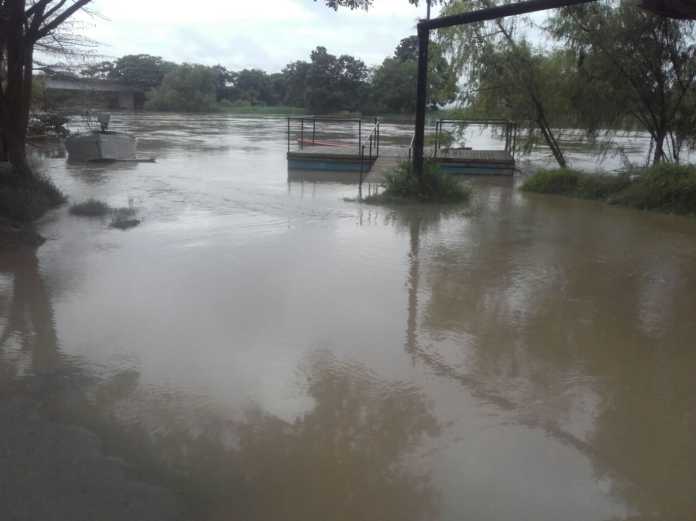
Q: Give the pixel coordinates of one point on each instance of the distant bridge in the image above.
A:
(114, 94)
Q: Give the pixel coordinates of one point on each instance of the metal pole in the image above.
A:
(421, 97)
(501, 11)
(288, 134)
(359, 136)
(302, 134)
(314, 129)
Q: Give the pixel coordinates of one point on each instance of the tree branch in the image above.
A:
(60, 18)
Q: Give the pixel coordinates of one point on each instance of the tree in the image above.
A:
(142, 70)
(635, 65)
(334, 83)
(495, 56)
(394, 81)
(295, 77)
(188, 88)
(23, 24)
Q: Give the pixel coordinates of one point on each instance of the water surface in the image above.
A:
(267, 350)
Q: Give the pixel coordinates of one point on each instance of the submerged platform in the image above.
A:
(476, 162)
(453, 161)
(352, 145)
(327, 158)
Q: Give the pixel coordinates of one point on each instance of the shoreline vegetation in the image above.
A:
(402, 186)
(25, 198)
(665, 187)
(121, 218)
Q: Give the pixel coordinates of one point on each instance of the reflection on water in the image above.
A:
(263, 349)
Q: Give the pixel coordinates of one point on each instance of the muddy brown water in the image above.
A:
(264, 350)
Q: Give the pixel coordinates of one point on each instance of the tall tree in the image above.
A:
(499, 49)
(638, 65)
(334, 83)
(24, 23)
(393, 82)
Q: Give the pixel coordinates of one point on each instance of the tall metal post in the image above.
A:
(421, 100)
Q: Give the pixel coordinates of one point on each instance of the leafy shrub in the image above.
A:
(664, 187)
(90, 208)
(437, 187)
(560, 181)
(25, 198)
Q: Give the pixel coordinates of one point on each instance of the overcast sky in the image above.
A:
(265, 34)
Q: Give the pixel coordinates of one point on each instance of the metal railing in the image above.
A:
(301, 127)
(372, 145)
(510, 131)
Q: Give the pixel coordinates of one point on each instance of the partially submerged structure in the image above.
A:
(368, 149)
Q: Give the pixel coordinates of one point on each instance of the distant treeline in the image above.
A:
(326, 83)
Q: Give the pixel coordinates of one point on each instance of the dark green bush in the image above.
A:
(90, 208)
(560, 181)
(664, 187)
(403, 185)
(25, 198)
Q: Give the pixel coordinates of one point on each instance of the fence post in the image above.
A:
(314, 130)
(362, 161)
(359, 136)
(288, 134)
(302, 133)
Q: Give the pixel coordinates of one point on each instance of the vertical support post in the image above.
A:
(314, 130)
(362, 169)
(288, 134)
(359, 136)
(421, 100)
(301, 133)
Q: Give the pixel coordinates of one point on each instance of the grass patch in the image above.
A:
(26, 197)
(403, 186)
(664, 187)
(91, 208)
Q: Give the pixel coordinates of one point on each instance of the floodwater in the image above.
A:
(262, 349)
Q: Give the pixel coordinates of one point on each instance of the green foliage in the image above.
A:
(25, 198)
(632, 66)
(334, 83)
(142, 70)
(90, 208)
(392, 87)
(664, 187)
(506, 76)
(188, 88)
(121, 218)
(565, 181)
(559, 181)
(403, 185)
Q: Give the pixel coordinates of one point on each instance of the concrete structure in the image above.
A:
(67, 89)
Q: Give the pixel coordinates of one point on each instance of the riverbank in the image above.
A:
(664, 188)
(25, 198)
